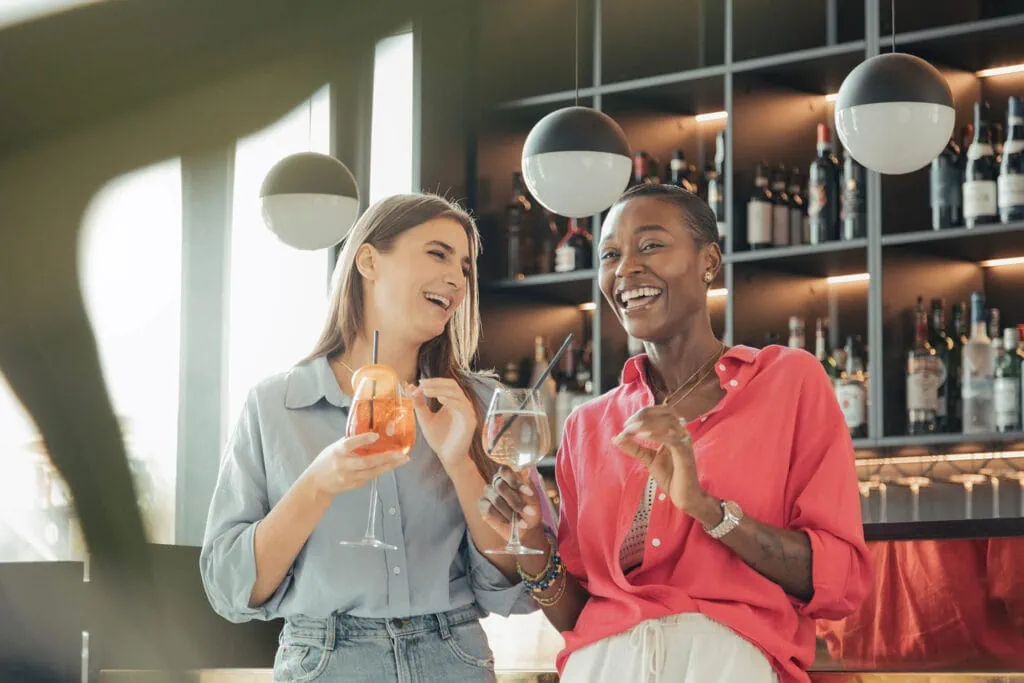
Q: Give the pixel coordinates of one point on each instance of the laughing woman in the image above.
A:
(737, 521)
(289, 489)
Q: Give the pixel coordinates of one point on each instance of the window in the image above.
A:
(278, 294)
(130, 264)
(391, 133)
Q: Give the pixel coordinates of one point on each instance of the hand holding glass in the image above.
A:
(379, 405)
(516, 434)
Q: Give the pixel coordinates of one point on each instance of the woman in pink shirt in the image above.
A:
(710, 510)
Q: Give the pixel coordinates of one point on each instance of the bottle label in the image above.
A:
(1007, 400)
(714, 194)
(853, 402)
(816, 198)
(923, 386)
(980, 198)
(676, 165)
(853, 200)
(978, 150)
(1010, 190)
(939, 179)
(780, 225)
(796, 226)
(565, 259)
(1013, 146)
(759, 222)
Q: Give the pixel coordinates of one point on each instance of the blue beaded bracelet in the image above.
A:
(552, 571)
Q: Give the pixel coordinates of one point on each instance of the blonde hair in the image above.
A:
(449, 354)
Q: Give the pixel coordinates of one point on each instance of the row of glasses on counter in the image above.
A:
(936, 474)
(980, 180)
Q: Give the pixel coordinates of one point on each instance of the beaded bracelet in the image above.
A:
(546, 578)
(553, 600)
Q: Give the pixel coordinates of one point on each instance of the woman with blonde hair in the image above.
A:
(290, 489)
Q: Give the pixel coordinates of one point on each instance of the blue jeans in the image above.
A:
(433, 648)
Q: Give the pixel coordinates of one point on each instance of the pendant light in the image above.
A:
(576, 160)
(894, 112)
(309, 200)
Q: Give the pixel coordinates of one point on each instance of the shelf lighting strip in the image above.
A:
(1001, 70)
(940, 457)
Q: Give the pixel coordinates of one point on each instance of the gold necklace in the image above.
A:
(701, 374)
(700, 380)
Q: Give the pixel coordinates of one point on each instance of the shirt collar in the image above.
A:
(635, 368)
(312, 381)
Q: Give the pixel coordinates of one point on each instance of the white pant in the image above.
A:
(683, 648)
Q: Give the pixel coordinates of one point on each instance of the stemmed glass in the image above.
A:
(379, 404)
(516, 434)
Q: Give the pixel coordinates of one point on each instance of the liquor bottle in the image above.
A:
(518, 228)
(797, 339)
(716, 188)
(977, 388)
(1007, 388)
(854, 204)
(548, 389)
(780, 208)
(997, 141)
(821, 351)
(922, 387)
(979, 188)
(942, 346)
(679, 172)
(1010, 186)
(574, 252)
(823, 191)
(759, 211)
(547, 239)
(852, 390)
(797, 209)
(946, 186)
(643, 169)
(958, 339)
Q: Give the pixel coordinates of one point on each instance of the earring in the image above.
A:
(708, 277)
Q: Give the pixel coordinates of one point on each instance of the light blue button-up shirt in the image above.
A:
(287, 421)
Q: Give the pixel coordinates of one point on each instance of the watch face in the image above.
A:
(732, 508)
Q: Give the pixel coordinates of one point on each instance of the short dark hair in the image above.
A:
(697, 215)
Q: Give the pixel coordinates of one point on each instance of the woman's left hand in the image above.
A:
(671, 461)
(449, 431)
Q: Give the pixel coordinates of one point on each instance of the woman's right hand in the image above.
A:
(338, 468)
(510, 493)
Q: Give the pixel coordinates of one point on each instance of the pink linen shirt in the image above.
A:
(776, 444)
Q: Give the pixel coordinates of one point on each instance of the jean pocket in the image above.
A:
(468, 643)
(299, 663)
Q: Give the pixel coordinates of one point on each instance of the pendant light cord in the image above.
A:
(892, 27)
(576, 55)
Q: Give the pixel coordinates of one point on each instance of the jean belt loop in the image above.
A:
(331, 632)
(442, 625)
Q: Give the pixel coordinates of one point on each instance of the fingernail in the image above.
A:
(644, 435)
(526, 490)
(522, 524)
(529, 511)
(372, 436)
(399, 456)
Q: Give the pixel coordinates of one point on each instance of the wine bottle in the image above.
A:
(759, 211)
(979, 188)
(854, 206)
(821, 352)
(823, 191)
(797, 337)
(976, 388)
(1007, 387)
(780, 208)
(941, 345)
(945, 184)
(797, 209)
(716, 188)
(1011, 170)
(852, 390)
(574, 252)
(922, 387)
(957, 338)
(679, 172)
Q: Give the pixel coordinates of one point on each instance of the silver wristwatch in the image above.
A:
(732, 514)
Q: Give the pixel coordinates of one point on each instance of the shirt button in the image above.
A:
(721, 366)
(661, 496)
(733, 383)
(392, 511)
(704, 418)
(656, 542)
(398, 570)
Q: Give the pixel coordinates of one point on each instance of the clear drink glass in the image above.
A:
(379, 405)
(516, 434)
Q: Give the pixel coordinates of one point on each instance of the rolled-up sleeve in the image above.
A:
(240, 501)
(824, 500)
(493, 591)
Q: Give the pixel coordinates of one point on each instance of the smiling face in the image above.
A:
(415, 287)
(652, 267)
